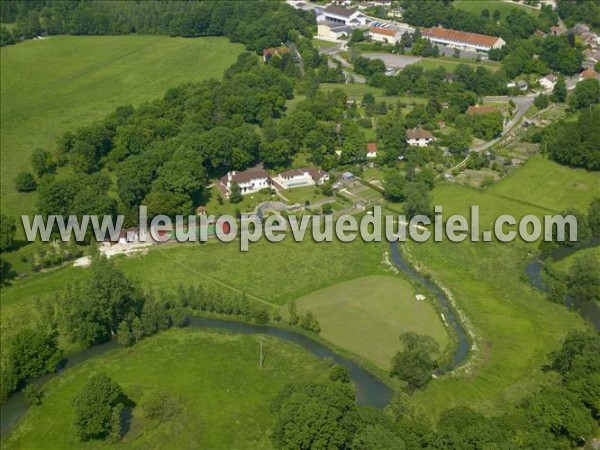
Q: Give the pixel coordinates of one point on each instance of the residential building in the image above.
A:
(300, 177)
(397, 13)
(548, 82)
(419, 137)
(463, 40)
(371, 150)
(342, 16)
(268, 53)
(250, 181)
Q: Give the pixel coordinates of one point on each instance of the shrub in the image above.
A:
(24, 182)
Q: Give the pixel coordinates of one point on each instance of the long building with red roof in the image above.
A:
(463, 40)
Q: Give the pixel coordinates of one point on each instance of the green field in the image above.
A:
(564, 265)
(225, 397)
(450, 65)
(514, 326)
(550, 186)
(270, 273)
(367, 315)
(476, 6)
(52, 86)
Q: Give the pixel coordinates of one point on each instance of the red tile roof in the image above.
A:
(589, 73)
(461, 36)
(384, 31)
(275, 51)
(372, 147)
(418, 133)
(481, 110)
(245, 176)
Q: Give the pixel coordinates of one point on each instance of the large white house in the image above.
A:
(300, 177)
(250, 181)
(463, 40)
(342, 16)
(548, 82)
(418, 137)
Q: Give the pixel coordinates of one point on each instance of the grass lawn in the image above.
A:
(320, 43)
(55, 85)
(367, 315)
(302, 194)
(476, 6)
(550, 186)
(225, 398)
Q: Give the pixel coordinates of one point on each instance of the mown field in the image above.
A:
(224, 397)
(476, 6)
(55, 85)
(367, 315)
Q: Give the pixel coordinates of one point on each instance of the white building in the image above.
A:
(250, 181)
(418, 137)
(330, 31)
(548, 82)
(342, 16)
(389, 34)
(463, 40)
(300, 178)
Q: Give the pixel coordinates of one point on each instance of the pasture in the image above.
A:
(367, 315)
(476, 6)
(224, 397)
(545, 184)
(356, 91)
(52, 86)
(514, 326)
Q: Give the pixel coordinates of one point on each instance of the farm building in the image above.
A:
(419, 137)
(463, 40)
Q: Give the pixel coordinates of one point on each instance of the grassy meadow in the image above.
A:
(550, 186)
(476, 6)
(366, 316)
(52, 86)
(224, 397)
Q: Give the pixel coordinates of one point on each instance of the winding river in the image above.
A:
(370, 390)
(590, 311)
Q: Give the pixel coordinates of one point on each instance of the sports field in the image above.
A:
(367, 315)
(224, 398)
(55, 85)
(476, 6)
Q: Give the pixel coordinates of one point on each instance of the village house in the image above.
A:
(342, 16)
(588, 74)
(548, 82)
(389, 34)
(250, 181)
(268, 53)
(300, 178)
(418, 137)
(371, 150)
(463, 40)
